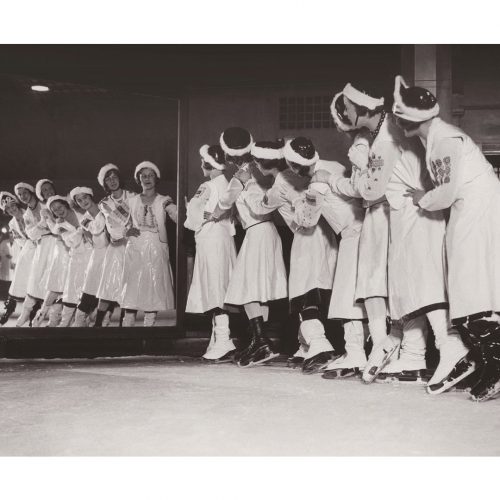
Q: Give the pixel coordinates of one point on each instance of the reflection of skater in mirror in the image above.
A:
(147, 275)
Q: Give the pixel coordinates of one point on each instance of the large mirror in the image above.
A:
(72, 257)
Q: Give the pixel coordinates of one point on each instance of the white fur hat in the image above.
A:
(23, 185)
(56, 197)
(341, 125)
(293, 156)
(80, 190)
(104, 171)
(6, 198)
(146, 164)
(414, 104)
(362, 99)
(267, 150)
(38, 188)
(208, 158)
(236, 141)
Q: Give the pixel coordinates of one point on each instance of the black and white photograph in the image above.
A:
(250, 250)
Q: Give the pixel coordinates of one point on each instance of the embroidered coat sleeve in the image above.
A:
(446, 173)
(35, 230)
(372, 182)
(196, 213)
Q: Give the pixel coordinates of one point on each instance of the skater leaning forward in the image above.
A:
(259, 275)
(464, 181)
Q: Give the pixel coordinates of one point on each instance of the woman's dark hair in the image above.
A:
(267, 164)
(65, 203)
(238, 160)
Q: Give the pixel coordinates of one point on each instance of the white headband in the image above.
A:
(104, 171)
(336, 118)
(80, 190)
(361, 98)
(56, 197)
(210, 159)
(38, 188)
(147, 164)
(267, 153)
(401, 110)
(235, 152)
(291, 155)
(23, 185)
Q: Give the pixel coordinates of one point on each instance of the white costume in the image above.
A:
(59, 262)
(79, 254)
(147, 275)
(259, 274)
(97, 228)
(215, 249)
(417, 268)
(19, 286)
(465, 181)
(116, 211)
(38, 231)
(314, 250)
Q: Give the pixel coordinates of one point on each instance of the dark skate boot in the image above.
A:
(488, 385)
(260, 349)
(35, 309)
(10, 307)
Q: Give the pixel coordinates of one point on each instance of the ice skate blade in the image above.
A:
(462, 369)
(340, 373)
(370, 375)
(295, 362)
(260, 361)
(410, 377)
(226, 358)
(487, 395)
(319, 362)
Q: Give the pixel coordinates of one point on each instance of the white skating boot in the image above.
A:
(354, 360)
(298, 358)
(451, 351)
(55, 314)
(107, 318)
(222, 347)
(129, 318)
(66, 316)
(40, 317)
(81, 319)
(149, 319)
(28, 305)
(320, 352)
(411, 365)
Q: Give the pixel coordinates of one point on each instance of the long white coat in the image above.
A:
(215, 249)
(19, 286)
(464, 180)
(417, 268)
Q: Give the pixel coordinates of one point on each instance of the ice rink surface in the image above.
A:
(162, 406)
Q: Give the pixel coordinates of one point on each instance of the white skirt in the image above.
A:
(19, 285)
(473, 248)
(78, 262)
(147, 275)
(40, 267)
(313, 259)
(213, 265)
(58, 269)
(93, 272)
(110, 285)
(416, 262)
(259, 274)
(343, 303)
(373, 251)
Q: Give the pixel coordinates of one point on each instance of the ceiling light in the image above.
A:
(40, 88)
